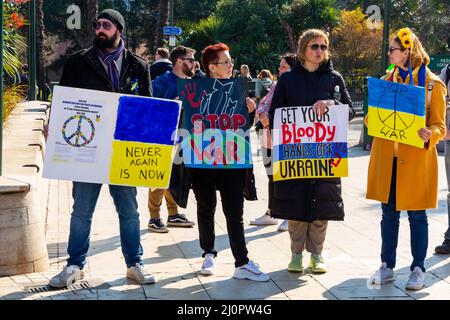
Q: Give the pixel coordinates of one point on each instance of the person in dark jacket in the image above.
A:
(199, 74)
(162, 63)
(165, 87)
(107, 66)
(308, 204)
(218, 64)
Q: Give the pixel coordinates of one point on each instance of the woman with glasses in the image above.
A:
(217, 63)
(308, 204)
(404, 177)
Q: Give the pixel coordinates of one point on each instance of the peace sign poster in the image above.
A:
(306, 145)
(396, 111)
(110, 138)
(216, 123)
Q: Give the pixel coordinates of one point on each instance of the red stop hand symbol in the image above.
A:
(190, 94)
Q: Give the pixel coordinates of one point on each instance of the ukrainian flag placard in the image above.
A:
(143, 145)
(111, 138)
(310, 146)
(396, 111)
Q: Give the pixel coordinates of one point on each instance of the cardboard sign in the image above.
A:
(310, 146)
(396, 111)
(111, 138)
(216, 123)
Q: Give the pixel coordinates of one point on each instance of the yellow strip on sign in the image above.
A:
(310, 168)
(141, 164)
(396, 126)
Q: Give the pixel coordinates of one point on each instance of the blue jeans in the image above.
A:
(85, 197)
(390, 223)
(447, 171)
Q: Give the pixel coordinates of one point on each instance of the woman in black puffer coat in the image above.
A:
(308, 204)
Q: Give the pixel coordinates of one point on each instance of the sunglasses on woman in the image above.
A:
(316, 47)
(392, 49)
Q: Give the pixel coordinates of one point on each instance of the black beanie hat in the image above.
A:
(114, 16)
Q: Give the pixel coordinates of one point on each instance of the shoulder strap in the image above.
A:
(429, 93)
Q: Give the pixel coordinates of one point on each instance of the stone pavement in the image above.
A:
(351, 250)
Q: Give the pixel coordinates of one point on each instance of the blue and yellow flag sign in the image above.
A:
(310, 146)
(396, 111)
(216, 123)
(112, 138)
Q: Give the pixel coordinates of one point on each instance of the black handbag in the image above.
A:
(250, 185)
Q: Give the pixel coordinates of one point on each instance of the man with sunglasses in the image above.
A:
(107, 66)
(165, 86)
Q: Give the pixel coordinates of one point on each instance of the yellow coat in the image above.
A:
(417, 169)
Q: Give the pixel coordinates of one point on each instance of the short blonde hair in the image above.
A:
(417, 53)
(306, 38)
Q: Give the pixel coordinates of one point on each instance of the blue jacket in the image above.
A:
(165, 86)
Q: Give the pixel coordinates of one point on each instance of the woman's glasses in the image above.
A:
(392, 49)
(316, 47)
(228, 62)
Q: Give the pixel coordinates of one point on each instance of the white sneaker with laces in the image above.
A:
(208, 265)
(250, 271)
(139, 274)
(68, 276)
(283, 226)
(264, 220)
(383, 275)
(416, 279)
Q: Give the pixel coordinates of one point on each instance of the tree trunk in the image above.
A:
(40, 72)
(163, 18)
(89, 10)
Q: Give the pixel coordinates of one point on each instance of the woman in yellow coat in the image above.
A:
(404, 177)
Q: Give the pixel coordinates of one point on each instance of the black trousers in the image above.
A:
(230, 184)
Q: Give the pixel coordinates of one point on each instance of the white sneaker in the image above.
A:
(283, 226)
(68, 276)
(264, 220)
(416, 279)
(208, 265)
(383, 275)
(139, 274)
(250, 271)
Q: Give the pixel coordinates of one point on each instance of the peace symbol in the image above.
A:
(393, 119)
(78, 138)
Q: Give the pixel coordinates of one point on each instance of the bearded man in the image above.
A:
(107, 66)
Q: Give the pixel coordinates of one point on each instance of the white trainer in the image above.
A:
(264, 220)
(68, 276)
(283, 226)
(416, 279)
(208, 265)
(140, 275)
(383, 275)
(250, 271)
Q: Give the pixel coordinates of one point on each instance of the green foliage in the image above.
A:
(13, 43)
(11, 97)
(193, 10)
(259, 31)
